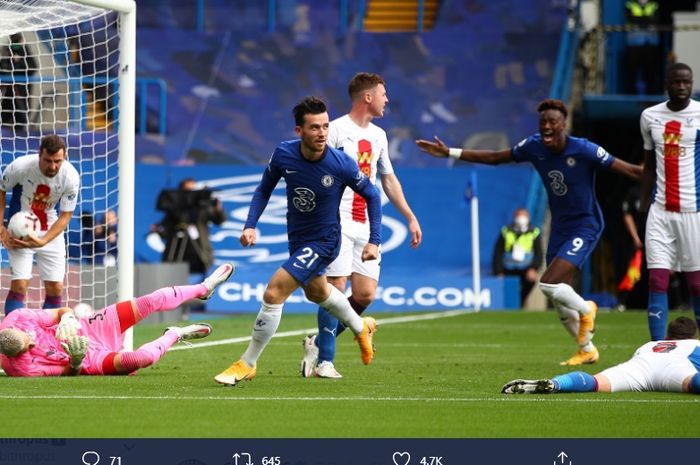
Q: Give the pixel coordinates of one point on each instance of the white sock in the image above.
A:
(266, 324)
(338, 306)
(569, 319)
(565, 295)
(588, 347)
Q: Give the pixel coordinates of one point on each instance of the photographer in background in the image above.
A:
(185, 226)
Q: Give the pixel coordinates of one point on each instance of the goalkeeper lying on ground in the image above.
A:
(53, 342)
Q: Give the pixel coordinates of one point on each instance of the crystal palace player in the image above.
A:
(38, 183)
(31, 340)
(567, 167)
(671, 133)
(662, 366)
(316, 176)
(356, 135)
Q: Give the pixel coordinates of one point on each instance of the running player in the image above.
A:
(316, 176)
(567, 166)
(38, 183)
(671, 133)
(365, 142)
(53, 342)
(664, 366)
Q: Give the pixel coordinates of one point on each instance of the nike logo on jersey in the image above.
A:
(569, 252)
(296, 265)
(289, 171)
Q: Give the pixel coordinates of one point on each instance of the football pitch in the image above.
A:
(434, 376)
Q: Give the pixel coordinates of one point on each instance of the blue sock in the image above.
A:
(53, 301)
(694, 386)
(13, 301)
(657, 315)
(696, 309)
(327, 330)
(576, 381)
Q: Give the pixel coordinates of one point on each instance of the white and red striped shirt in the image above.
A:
(369, 148)
(675, 138)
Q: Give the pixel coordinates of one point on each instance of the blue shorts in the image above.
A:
(574, 247)
(310, 259)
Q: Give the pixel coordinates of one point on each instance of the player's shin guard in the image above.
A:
(327, 331)
(337, 304)
(576, 381)
(565, 295)
(13, 301)
(266, 324)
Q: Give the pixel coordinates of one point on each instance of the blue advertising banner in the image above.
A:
(436, 275)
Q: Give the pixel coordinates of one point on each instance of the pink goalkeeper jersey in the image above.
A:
(369, 148)
(46, 358)
(675, 138)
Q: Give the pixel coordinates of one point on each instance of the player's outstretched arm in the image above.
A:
(439, 149)
(627, 169)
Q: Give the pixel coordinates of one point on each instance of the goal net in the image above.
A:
(66, 68)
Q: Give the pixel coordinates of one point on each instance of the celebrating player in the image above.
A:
(665, 366)
(31, 340)
(316, 176)
(365, 142)
(39, 182)
(567, 167)
(672, 164)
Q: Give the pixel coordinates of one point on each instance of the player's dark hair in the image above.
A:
(308, 106)
(362, 82)
(552, 104)
(678, 67)
(682, 328)
(52, 144)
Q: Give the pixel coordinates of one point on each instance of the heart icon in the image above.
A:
(401, 458)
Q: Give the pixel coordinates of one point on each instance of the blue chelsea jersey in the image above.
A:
(569, 178)
(314, 190)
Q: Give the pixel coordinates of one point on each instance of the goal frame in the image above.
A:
(126, 137)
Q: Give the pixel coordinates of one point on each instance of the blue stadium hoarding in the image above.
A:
(434, 276)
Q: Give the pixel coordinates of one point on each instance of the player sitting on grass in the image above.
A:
(666, 366)
(53, 342)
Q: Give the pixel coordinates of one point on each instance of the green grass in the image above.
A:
(434, 378)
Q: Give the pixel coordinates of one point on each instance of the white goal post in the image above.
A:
(69, 67)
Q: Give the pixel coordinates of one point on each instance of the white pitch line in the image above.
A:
(548, 398)
(304, 332)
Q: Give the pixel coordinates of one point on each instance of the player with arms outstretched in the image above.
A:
(316, 176)
(671, 133)
(38, 183)
(356, 135)
(567, 166)
(53, 342)
(661, 366)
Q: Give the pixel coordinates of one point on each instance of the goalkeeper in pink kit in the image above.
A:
(53, 342)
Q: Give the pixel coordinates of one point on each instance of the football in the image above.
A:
(23, 223)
